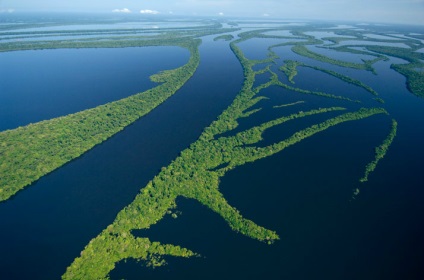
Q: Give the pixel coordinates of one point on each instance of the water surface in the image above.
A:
(304, 193)
(44, 84)
(49, 223)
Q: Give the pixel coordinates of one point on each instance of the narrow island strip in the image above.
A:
(27, 153)
(196, 174)
(380, 152)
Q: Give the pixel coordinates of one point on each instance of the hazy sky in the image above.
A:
(402, 11)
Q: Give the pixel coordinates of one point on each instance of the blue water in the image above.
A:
(40, 85)
(304, 193)
(49, 223)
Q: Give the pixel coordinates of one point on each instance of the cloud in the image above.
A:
(221, 14)
(266, 15)
(124, 10)
(6, 11)
(151, 12)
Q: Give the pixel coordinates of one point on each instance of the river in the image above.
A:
(46, 226)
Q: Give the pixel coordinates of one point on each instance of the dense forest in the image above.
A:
(196, 174)
(27, 153)
(32, 151)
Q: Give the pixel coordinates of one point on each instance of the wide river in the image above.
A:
(304, 193)
(45, 227)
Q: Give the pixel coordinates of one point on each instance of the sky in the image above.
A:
(384, 11)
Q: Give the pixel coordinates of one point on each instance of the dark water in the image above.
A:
(304, 193)
(343, 56)
(40, 85)
(47, 225)
(258, 48)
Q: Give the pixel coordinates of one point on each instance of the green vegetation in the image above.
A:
(164, 38)
(344, 78)
(119, 247)
(79, 32)
(318, 93)
(225, 37)
(380, 152)
(260, 34)
(356, 192)
(290, 69)
(30, 152)
(414, 78)
(301, 39)
(274, 81)
(287, 105)
(303, 51)
(196, 174)
(379, 100)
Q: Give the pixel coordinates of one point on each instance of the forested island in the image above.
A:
(303, 85)
(196, 174)
(32, 151)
